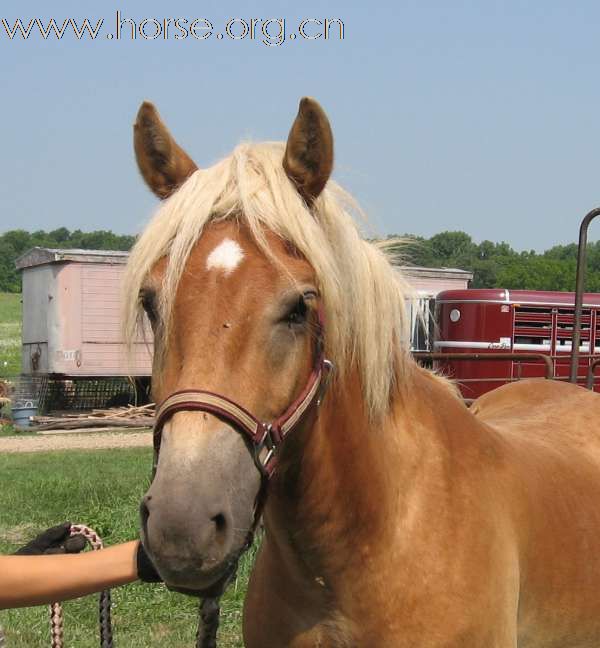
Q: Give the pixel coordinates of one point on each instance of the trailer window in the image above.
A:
(533, 328)
(564, 329)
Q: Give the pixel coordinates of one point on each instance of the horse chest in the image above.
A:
(322, 637)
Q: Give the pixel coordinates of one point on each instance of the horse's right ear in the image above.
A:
(164, 165)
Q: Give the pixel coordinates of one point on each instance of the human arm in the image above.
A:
(34, 580)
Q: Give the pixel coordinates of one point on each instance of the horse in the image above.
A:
(394, 515)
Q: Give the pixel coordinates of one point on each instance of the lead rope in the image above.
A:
(210, 613)
(56, 612)
(208, 623)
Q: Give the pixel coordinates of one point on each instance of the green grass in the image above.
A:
(10, 342)
(10, 430)
(101, 489)
(10, 334)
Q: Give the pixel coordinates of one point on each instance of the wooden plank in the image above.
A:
(92, 430)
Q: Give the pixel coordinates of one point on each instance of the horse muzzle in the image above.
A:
(198, 512)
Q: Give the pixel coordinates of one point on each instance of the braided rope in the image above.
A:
(56, 613)
(208, 623)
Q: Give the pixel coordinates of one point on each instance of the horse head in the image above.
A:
(234, 307)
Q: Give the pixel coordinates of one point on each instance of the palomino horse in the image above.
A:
(394, 516)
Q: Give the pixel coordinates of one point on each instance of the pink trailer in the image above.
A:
(71, 309)
(429, 282)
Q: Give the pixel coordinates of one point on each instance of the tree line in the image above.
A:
(494, 265)
(498, 265)
(15, 242)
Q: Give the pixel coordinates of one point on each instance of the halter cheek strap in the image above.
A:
(264, 438)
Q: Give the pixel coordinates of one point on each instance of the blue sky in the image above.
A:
(480, 116)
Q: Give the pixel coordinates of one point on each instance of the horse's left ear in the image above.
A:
(308, 158)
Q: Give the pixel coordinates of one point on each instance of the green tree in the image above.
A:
(15, 242)
(452, 245)
(497, 265)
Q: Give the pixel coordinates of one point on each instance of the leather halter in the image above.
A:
(264, 437)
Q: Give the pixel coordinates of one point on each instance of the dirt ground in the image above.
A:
(86, 441)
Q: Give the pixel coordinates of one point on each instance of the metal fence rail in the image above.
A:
(503, 357)
(589, 381)
(579, 289)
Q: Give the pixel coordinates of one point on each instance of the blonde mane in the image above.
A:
(364, 298)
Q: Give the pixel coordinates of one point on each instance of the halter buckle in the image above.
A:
(266, 443)
(267, 438)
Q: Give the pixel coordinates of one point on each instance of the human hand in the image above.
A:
(56, 540)
(145, 569)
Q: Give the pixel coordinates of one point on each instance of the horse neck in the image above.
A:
(342, 480)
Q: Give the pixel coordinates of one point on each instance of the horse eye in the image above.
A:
(147, 300)
(298, 313)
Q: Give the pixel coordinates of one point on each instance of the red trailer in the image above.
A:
(514, 322)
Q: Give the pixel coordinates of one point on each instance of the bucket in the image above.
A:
(22, 411)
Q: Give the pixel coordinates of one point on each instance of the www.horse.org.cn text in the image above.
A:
(272, 32)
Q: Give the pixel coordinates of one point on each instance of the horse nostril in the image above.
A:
(145, 512)
(220, 523)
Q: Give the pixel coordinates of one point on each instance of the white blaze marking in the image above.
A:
(226, 256)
